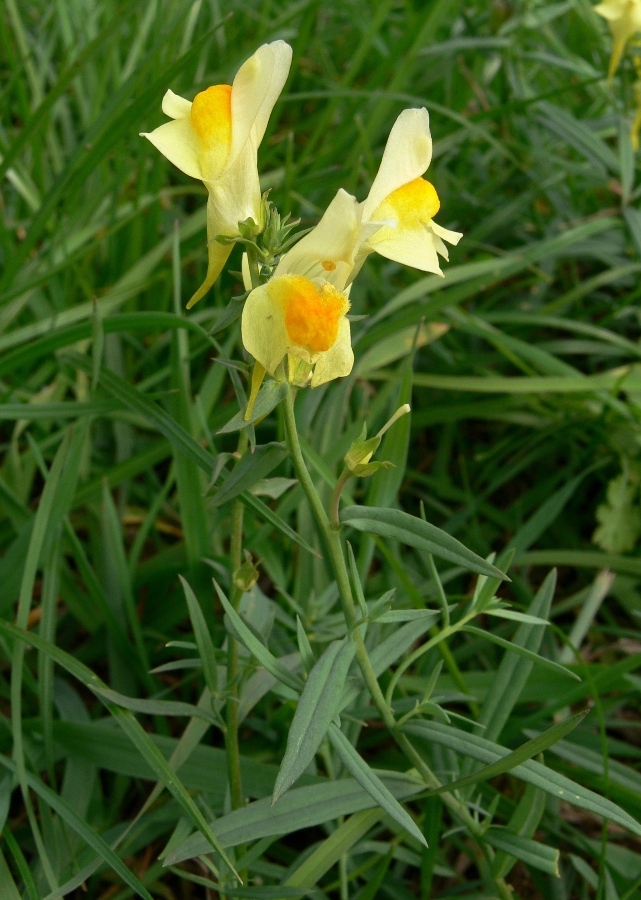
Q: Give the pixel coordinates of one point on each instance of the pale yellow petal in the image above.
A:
(327, 252)
(244, 268)
(338, 361)
(175, 107)
(235, 195)
(407, 155)
(263, 329)
(177, 141)
(612, 9)
(452, 237)
(255, 90)
(410, 247)
(218, 254)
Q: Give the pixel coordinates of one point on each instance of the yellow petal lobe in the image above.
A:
(211, 120)
(312, 315)
(411, 204)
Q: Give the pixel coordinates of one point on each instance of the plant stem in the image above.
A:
(231, 734)
(336, 497)
(235, 594)
(331, 536)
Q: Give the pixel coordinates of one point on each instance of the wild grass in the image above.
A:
(525, 389)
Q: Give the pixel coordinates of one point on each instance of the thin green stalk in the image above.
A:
(231, 734)
(336, 497)
(331, 536)
(236, 592)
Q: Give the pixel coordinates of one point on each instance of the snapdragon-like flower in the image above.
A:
(216, 139)
(405, 202)
(624, 20)
(300, 314)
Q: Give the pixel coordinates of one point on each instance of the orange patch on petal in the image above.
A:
(311, 315)
(411, 204)
(329, 265)
(211, 120)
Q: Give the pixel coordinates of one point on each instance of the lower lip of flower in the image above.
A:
(211, 120)
(411, 204)
(312, 314)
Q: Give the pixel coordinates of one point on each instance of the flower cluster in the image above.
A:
(295, 324)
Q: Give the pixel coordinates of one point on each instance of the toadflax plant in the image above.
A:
(295, 328)
(351, 708)
(345, 671)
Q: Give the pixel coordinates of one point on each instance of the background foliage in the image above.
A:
(525, 435)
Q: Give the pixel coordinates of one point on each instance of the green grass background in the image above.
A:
(526, 393)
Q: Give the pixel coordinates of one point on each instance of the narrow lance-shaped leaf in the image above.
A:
(370, 782)
(530, 771)
(250, 469)
(204, 642)
(516, 757)
(399, 525)
(316, 708)
(521, 651)
(256, 647)
(533, 853)
(269, 396)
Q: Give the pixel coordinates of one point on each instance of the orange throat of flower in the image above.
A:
(211, 120)
(312, 314)
(411, 205)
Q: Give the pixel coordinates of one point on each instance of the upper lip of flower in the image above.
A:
(255, 89)
(222, 149)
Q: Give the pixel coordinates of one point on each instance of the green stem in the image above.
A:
(231, 734)
(331, 537)
(336, 497)
(235, 561)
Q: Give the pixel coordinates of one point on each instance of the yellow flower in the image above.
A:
(404, 202)
(624, 20)
(301, 312)
(216, 139)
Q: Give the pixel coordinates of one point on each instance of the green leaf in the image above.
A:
(298, 808)
(400, 526)
(333, 848)
(272, 487)
(523, 822)
(258, 649)
(532, 853)
(514, 669)
(516, 757)
(269, 396)
(6, 878)
(318, 704)
(250, 469)
(370, 782)
(205, 645)
(521, 651)
(155, 707)
(619, 517)
(409, 615)
(532, 772)
(18, 855)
